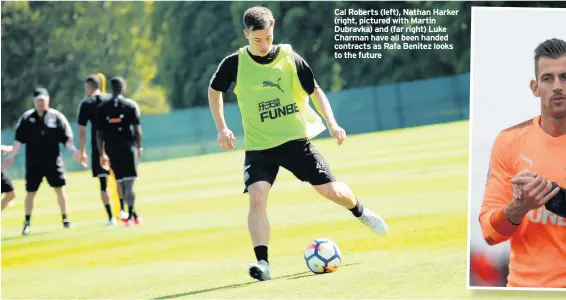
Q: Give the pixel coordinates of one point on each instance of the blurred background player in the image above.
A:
(487, 270)
(119, 139)
(87, 113)
(42, 129)
(526, 160)
(273, 88)
(7, 186)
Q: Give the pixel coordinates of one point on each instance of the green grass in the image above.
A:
(195, 242)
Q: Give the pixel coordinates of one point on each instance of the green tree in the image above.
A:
(57, 44)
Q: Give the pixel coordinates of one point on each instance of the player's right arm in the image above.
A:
(493, 217)
(220, 83)
(100, 142)
(216, 104)
(136, 121)
(66, 137)
(100, 119)
(83, 121)
(537, 191)
(319, 99)
(104, 160)
(6, 149)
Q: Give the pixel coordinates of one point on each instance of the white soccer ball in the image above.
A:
(323, 256)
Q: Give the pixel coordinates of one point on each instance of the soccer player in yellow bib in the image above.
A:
(273, 85)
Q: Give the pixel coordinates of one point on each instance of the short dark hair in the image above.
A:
(258, 18)
(552, 48)
(93, 80)
(117, 83)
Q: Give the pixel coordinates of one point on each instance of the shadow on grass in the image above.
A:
(233, 286)
(20, 236)
(205, 291)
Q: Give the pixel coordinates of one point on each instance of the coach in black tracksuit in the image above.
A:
(42, 129)
(119, 140)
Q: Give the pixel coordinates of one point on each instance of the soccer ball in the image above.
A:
(323, 256)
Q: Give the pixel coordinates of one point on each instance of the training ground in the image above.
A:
(195, 242)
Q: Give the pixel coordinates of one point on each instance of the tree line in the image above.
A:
(168, 51)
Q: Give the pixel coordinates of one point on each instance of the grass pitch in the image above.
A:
(195, 242)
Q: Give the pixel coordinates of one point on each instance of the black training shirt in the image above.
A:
(115, 120)
(227, 72)
(42, 136)
(87, 113)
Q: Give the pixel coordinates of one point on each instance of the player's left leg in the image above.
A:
(28, 207)
(123, 214)
(33, 177)
(56, 179)
(341, 194)
(307, 164)
(8, 196)
(103, 177)
(124, 164)
(62, 200)
(259, 228)
(7, 190)
(260, 173)
(130, 197)
(106, 200)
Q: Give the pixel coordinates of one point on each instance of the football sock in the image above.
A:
(130, 197)
(261, 253)
(103, 183)
(121, 204)
(28, 218)
(64, 217)
(132, 213)
(108, 210)
(358, 209)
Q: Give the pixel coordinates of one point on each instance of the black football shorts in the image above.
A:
(299, 157)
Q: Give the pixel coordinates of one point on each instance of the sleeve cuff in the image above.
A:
(218, 88)
(501, 224)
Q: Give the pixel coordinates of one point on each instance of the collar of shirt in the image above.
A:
(36, 114)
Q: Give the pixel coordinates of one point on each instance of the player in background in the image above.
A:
(87, 113)
(7, 186)
(42, 129)
(527, 171)
(119, 141)
(273, 85)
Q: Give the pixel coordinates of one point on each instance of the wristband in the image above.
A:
(557, 204)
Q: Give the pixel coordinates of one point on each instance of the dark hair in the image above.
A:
(93, 80)
(258, 18)
(552, 48)
(116, 84)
